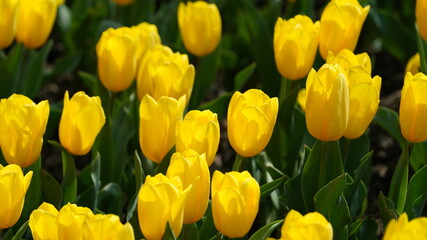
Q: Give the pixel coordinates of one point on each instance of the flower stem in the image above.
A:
(239, 163)
(322, 168)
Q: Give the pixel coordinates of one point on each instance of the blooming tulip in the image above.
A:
(200, 26)
(70, 221)
(199, 131)
(34, 21)
(147, 37)
(157, 125)
(191, 168)
(347, 60)
(7, 21)
(295, 46)
(301, 98)
(235, 200)
(313, 226)
(13, 187)
(116, 58)
(421, 17)
(43, 222)
(402, 229)
(251, 119)
(106, 227)
(22, 125)
(413, 64)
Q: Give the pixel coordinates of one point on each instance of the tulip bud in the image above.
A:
(34, 21)
(161, 200)
(301, 98)
(200, 27)
(421, 17)
(340, 26)
(70, 221)
(116, 58)
(123, 2)
(327, 104)
(8, 22)
(295, 46)
(251, 119)
(13, 187)
(157, 125)
(147, 37)
(43, 222)
(310, 226)
(192, 169)
(104, 227)
(413, 64)
(22, 125)
(82, 119)
(199, 131)
(413, 108)
(164, 73)
(402, 229)
(235, 200)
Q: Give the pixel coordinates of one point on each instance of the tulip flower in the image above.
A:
(413, 108)
(81, 121)
(22, 125)
(13, 187)
(161, 200)
(340, 26)
(191, 168)
(301, 98)
(347, 60)
(34, 21)
(235, 200)
(413, 64)
(199, 131)
(200, 27)
(43, 222)
(8, 22)
(123, 2)
(327, 103)
(164, 73)
(402, 229)
(157, 125)
(251, 118)
(421, 17)
(106, 227)
(313, 226)
(147, 37)
(116, 58)
(295, 46)
(70, 221)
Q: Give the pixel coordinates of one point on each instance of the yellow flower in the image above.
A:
(13, 187)
(235, 201)
(82, 119)
(295, 46)
(413, 64)
(421, 17)
(413, 108)
(8, 22)
(200, 26)
(191, 168)
(301, 98)
(106, 227)
(251, 119)
(347, 59)
(199, 131)
(340, 26)
(34, 21)
(401, 229)
(313, 226)
(157, 125)
(116, 58)
(22, 125)
(123, 2)
(70, 221)
(327, 104)
(161, 200)
(43, 222)
(147, 37)
(165, 73)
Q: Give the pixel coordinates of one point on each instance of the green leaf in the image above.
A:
(416, 190)
(95, 175)
(139, 173)
(168, 235)
(242, 77)
(368, 231)
(132, 207)
(90, 80)
(51, 189)
(65, 65)
(399, 181)
(110, 199)
(327, 197)
(207, 230)
(354, 227)
(34, 192)
(363, 171)
(387, 210)
(388, 119)
(265, 232)
(358, 199)
(293, 195)
(189, 232)
(418, 156)
(354, 150)
(21, 231)
(219, 105)
(269, 187)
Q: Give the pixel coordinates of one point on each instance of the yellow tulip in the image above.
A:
(161, 200)
(157, 125)
(7, 22)
(199, 131)
(147, 37)
(191, 168)
(327, 103)
(402, 229)
(22, 125)
(413, 64)
(295, 46)
(251, 119)
(347, 60)
(13, 187)
(421, 17)
(235, 201)
(164, 73)
(116, 58)
(43, 222)
(106, 227)
(123, 2)
(70, 221)
(340, 26)
(301, 98)
(413, 108)
(34, 21)
(200, 26)
(313, 226)
(82, 119)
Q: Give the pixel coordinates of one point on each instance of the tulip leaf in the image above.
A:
(96, 177)
(64, 65)
(388, 119)
(168, 235)
(357, 196)
(293, 196)
(354, 227)
(399, 181)
(110, 198)
(416, 190)
(243, 76)
(20, 233)
(368, 230)
(207, 230)
(139, 173)
(363, 171)
(267, 188)
(265, 232)
(131, 207)
(90, 80)
(387, 210)
(327, 197)
(189, 232)
(353, 151)
(51, 189)
(12, 70)
(418, 156)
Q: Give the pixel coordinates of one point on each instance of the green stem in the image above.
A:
(345, 151)
(284, 89)
(239, 163)
(422, 49)
(322, 167)
(1, 233)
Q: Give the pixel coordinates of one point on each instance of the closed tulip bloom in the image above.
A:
(22, 125)
(7, 22)
(421, 17)
(106, 227)
(327, 104)
(402, 229)
(295, 46)
(301, 98)
(200, 26)
(123, 2)
(147, 37)
(116, 58)
(413, 64)
(191, 168)
(161, 200)
(13, 187)
(340, 26)
(251, 118)
(82, 119)
(157, 125)
(165, 73)
(43, 222)
(34, 21)
(70, 221)
(235, 201)
(313, 226)
(199, 131)
(347, 60)
(413, 108)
